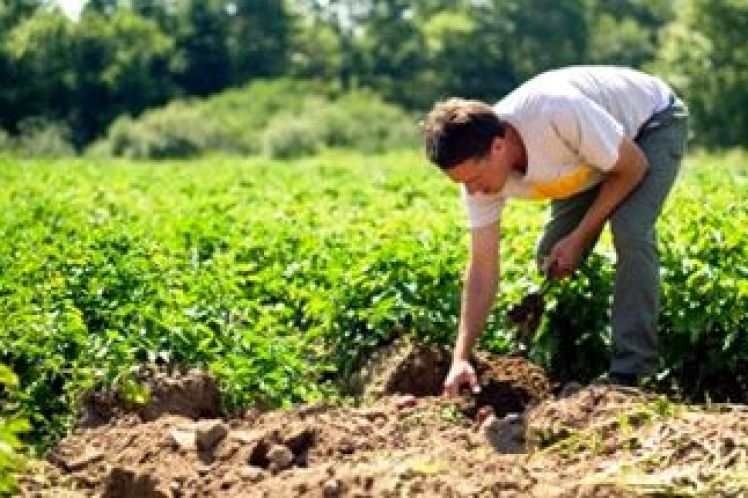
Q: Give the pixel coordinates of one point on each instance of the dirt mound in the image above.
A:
(192, 393)
(627, 443)
(508, 385)
(597, 441)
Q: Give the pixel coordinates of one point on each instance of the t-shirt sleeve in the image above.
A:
(482, 209)
(589, 130)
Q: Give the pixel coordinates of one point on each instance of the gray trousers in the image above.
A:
(636, 291)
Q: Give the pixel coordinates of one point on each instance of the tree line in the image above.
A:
(124, 56)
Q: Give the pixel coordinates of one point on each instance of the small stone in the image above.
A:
(245, 436)
(331, 488)
(209, 433)
(89, 456)
(570, 389)
(251, 473)
(506, 435)
(483, 413)
(405, 401)
(280, 456)
(184, 437)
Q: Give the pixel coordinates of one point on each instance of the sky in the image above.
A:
(71, 7)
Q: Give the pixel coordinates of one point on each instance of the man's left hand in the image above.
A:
(565, 256)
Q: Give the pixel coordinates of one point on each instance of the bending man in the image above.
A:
(604, 144)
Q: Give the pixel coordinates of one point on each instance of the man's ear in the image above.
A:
(498, 144)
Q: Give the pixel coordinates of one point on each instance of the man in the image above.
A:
(604, 144)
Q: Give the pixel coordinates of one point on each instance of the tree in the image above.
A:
(123, 67)
(40, 50)
(485, 49)
(626, 32)
(12, 13)
(392, 49)
(203, 63)
(705, 56)
(86, 73)
(258, 38)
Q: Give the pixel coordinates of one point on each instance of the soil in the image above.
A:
(514, 439)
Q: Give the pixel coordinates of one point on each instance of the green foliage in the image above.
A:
(176, 131)
(125, 56)
(11, 428)
(627, 32)
(280, 276)
(361, 120)
(705, 289)
(288, 136)
(705, 55)
(281, 118)
(38, 137)
(41, 138)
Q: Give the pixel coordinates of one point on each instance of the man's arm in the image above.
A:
(481, 284)
(627, 172)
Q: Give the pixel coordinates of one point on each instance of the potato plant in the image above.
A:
(280, 276)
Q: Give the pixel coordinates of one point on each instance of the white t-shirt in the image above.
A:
(571, 121)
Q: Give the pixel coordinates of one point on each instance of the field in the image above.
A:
(281, 278)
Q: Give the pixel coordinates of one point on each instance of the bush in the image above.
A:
(5, 142)
(357, 120)
(178, 131)
(39, 137)
(287, 137)
(281, 119)
(361, 120)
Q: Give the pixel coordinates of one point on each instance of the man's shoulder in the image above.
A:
(538, 103)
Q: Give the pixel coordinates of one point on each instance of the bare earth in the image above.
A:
(515, 439)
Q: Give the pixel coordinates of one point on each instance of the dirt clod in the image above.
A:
(331, 488)
(127, 483)
(280, 457)
(208, 433)
(505, 435)
(192, 394)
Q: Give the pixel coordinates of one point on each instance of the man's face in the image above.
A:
(486, 175)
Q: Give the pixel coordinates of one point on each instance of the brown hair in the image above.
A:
(459, 129)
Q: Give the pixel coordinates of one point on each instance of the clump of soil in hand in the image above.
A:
(526, 315)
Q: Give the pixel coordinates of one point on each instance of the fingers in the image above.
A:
(547, 265)
(557, 264)
(451, 387)
(551, 268)
(453, 384)
(473, 381)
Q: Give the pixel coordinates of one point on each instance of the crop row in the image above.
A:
(279, 276)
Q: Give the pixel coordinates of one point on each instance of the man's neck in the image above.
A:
(519, 152)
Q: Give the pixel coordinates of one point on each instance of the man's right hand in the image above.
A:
(460, 374)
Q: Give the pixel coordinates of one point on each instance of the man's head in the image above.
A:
(468, 141)
(459, 129)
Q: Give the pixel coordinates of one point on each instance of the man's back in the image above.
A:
(629, 96)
